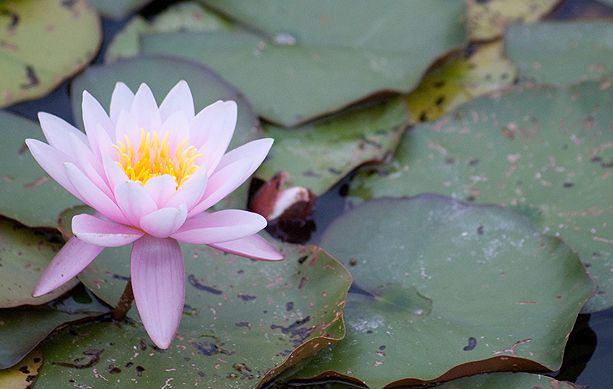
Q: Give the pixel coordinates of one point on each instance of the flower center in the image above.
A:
(153, 157)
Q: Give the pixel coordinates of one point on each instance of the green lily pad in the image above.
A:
(186, 16)
(117, 9)
(23, 328)
(24, 254)
(446, 289)
(489, 19)
(43, 43)
(317, 155)
(478, 70)
(22, 375)
(28, 194)
(584, 48)
(545, 152)
(161, 74)
(508, 380)
(244, 322)
(321, 56)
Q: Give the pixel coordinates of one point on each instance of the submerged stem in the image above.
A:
(124, 304)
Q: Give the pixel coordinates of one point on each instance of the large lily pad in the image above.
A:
(24, 254)
(320, 44)
(445, 289)
(43, 43)
(22, 375)
(23, 328)
(243, 322)
(319, 154)
(28, 194)
(584, 48)
(117, 9)
(543, 151)
(508, 380)
(489, 19)
(465, 75)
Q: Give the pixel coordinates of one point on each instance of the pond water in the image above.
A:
(589, 353)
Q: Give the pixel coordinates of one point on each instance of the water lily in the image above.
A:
(152, 174)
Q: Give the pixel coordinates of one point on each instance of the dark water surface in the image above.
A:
(588, 358)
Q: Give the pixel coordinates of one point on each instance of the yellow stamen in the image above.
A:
(153, 158)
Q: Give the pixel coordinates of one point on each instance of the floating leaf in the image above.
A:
(508, 380)
(24, 254)
(22, 375)
(489, 19)
(186, 16)
(243, 322)
(23, 328)
(43, 43)
(445, 289)
(317, 155)
(477, 70)
(117, 9)
(543, 151)
(28, 194)
(584, 48)
(161, 74)
(319, 44)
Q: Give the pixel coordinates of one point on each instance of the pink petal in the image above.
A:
(255, 151)
(52, 161)
(222, 226)
(93, 116)
(83, 157)
(190, 192)
(178, 127)
(178, 99)
(103, 233)
(161, 189)
(158, 278)
(56, 131)
(253, 246)
(68, 262)
(145, 110)
(113, 172)
(127, 126)
(221, 184)
(121, 100)
(134, 201)
(164, 222)
(214, 125)
(91, 195)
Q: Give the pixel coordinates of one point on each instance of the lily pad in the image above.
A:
(313, 45)
(508, 380)
(23, 328)
(28, 194)
(545, 152)
(475, 71)
(22, 375)
(117, 9)
(446, 289)
(161, 74)
(24, 254)
(43, 43)
(489, 19)
(317, 155)
(585, 49)
(243, 322)
(185, 16)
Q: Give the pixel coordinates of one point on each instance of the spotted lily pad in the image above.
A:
(317, 155)
(22, 375)
(117, 9)
(488, 19)
(477, 70)
(545, 152)
(23, 328)
(584, 48)
(508, 380)
(445, 289)
(321, 56)
(43, 43)
(244, 321)
(28, 194)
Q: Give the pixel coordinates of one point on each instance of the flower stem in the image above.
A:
(124, 304)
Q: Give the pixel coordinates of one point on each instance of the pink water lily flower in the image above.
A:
(152, 174)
